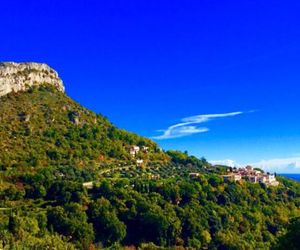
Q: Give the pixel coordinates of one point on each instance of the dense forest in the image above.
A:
(50, 147)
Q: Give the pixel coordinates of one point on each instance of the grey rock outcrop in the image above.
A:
(15, 77)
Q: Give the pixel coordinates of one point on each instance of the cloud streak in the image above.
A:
(190, 125)
(280, 165)
(226, 162)
(288, 165)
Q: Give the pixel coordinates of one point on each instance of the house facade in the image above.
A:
(134, 150)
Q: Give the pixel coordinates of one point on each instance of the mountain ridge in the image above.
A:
(15, 77)
(42, 126)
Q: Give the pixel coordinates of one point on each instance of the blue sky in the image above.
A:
(150, 65)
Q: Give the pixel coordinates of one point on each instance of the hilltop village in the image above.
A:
(250, 174)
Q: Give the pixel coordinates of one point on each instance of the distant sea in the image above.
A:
(295, 177)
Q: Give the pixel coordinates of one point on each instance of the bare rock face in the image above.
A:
(15, 77)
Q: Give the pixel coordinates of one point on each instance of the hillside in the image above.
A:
(69, 179)
(42, 126)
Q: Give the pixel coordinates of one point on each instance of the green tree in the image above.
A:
(291, 240)
(108, 228)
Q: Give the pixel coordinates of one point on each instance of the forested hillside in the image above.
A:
(43, 126)
(69, 181)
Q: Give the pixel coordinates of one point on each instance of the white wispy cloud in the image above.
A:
(190, 125)
(226, 162)
(278, 165)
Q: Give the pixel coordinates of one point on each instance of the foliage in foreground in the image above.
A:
(198, 213)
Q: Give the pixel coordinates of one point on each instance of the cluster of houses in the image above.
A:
(134, 150)
(250, 174)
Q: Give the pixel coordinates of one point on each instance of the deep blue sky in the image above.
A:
(148, 64)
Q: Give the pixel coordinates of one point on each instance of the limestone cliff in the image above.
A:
(15, 77)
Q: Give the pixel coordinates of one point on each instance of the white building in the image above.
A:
(88, 185)
(262, 179)
(271, 177)
(139, 162)
(232, 177)
(252, 178)
(237, 177)
(134, 150)
(271, 180)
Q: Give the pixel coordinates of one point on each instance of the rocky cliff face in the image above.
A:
(16, 77)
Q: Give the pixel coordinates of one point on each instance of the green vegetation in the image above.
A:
(44, 127)
(199, 213)
(50, 146)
